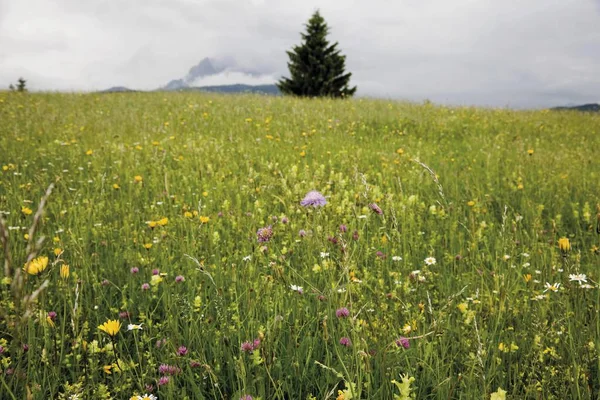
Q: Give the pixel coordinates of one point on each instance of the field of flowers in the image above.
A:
(190, 246)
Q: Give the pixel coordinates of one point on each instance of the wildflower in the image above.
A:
(530, 152)
(147, 397)
(152, 224)
(355, 235)
(111, 327)
(134, 270)
(163, 380)
(264, 234)
(179, 278)
(246, 347)
(343, 228)
(136, 327)
(36, 266)
(163, 221)
(296, 288)
(301, 233)
(65, 271)
(107, 369)
(116, 186)
(285, 220)
(188, 214)
(554, 287)
(246, 397)
(89, 152)
(182, 351)
(564, 245)
(204, 219)
(430, 261)
(580, 278)
(247, 258)
(500, 394)
(396, 258)
(138, 179)
(342, 312)
(26, 210)
(324, 255)
(470, 203)
(402, 341)
(166, 369)
(380, 255)
(155, 280)
(57, 251)
(375, 208)
(313, 198)
(145, 286)
(147, 246)
(52, 315)
(345, 342)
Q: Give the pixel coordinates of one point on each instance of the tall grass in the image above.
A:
(156, 205)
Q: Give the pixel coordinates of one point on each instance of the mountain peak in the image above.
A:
(206, 67)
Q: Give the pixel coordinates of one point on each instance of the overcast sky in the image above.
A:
(518, 53)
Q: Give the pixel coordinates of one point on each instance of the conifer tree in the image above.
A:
(317, 69)
(21, 85)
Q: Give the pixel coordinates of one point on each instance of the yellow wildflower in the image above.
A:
(564, 245)
(204, 219)
(155, 280)
(147, 246)
(498, 395)
(530, 152)
(116, 186)
(152, 224)
(65, 271)
(36, 266)
(89, 152)
(188, 214)
(26, 210)
(471, 203)
(138, 179)
(163, 221)
(106, 369)
(57, 251)
(111, 327)
(527, 277)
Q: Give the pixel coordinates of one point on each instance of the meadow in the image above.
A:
(167, 245)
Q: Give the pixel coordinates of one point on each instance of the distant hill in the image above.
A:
(237, 88)
(117, 89)
(592, 107)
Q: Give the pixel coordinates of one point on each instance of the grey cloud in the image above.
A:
(531, 53)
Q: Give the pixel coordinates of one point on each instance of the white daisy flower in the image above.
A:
(430, 261)
(580, 278)
(136, 327)
(296, 288)
(396, 258)
(554, 287)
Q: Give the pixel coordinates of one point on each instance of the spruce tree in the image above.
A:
(316, 67)
(21, 85)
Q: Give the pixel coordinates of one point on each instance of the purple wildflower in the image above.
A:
(355, 235)
(246, 397)
(1, 349)
(302, 233)
(105, 282)
(134, 270)
(256, 344)
(342, 312)
(380, 255)
(285, 220)
(124, 314)
(343, 228)
(264, 234)
(179, 278)
(149, 388)
(166, 369)
(25, 347)
(155, 271)
(402, 341)
(163, 380)
(375, 209)
(247, 347)
(182, 351)
(195, 364)
(52, 315)
(313, 198)
(145, 286)
(345, 342)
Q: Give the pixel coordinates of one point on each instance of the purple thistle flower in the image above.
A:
(52, 315)
(182, 351)
(256, 344)
(342, 312)
(301, 233)
(345, 342)
(155, 271)
(375, 209)
(285, 220)
(380, 255)
(355, 235)
(313, 198)
(179, 278)
(134, 270)
(343, 228)
(145, 286)
(264, 234)
(402, 341)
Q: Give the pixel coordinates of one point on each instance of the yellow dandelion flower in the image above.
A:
(147, 246)
(26, 210)
(26, 236)
(106, 369)
(564, 245)
(138, 179)
(116, 186)
(471, 203)
(111, 327)
(163, 221)
(530, 152)
(205, 193)
(188, 214)
(152, 224)
(527, 277)
(204, 219)
(65, 271)
(89, 152)
(36, 266)
(400, 151)
(57, 251)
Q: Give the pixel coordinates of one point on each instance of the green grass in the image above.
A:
(457, 184)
